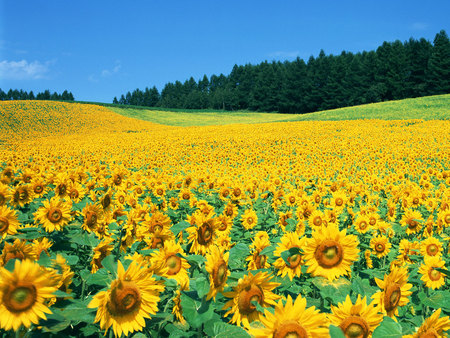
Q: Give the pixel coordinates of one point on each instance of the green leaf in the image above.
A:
(238, 253)
(439, 299)
(219, 329)
(110, 264)
(44, 260)
(362, 287)
(197, 259)
(181, 226)
(336, 332)
(336, 291)
(292, 224)
(388, 328)
(196, 311)
(202, 286)
(55, 322)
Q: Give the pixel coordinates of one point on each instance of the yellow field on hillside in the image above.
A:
(218, 227)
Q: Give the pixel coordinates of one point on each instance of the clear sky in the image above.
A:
(100, 49)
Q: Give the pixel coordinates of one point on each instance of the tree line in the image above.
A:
(395, 70)
(15, 94)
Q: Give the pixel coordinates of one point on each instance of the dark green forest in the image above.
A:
(15, 94)
(395, 70)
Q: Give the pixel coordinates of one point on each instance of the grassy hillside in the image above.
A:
(427, 108)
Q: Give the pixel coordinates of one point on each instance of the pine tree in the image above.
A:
(439, 65)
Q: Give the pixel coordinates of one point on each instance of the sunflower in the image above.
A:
(405, 250)
(20, 249)
(23, 293)
(256, 260)
(338, 201)
(170, 256)
(156, 222)
(102, 250)
(203, 233)
(249, 219)
(64, 273)
(217, 267)
(316, 219)
(42, 245)
(156, 240)
(177, 310)
(76, 192)
(431, 247)
(250, 288)
(394, 291)
(91, 213)
(355, 320)
(54, 214)
(8, 222)
(330, 252)
(230, 210)
(293, 266)
(131, 298)
(380, 245)
(430, 276)
(21, 195)
(411, 219)
(433, 326)
(362, 224)
(38, 187)
(106, 201)
(293, 319)
(5, 195)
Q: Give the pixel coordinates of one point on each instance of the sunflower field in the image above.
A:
(111, 225)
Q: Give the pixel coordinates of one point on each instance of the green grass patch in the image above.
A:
(428, 108)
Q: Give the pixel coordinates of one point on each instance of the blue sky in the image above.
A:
(101, 49)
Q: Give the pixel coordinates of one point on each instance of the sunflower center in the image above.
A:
(2, 199)
(392, 297)
(412, 224)
(290, 329)
(339, 201)
(54, 215)
(118, 180)
(223, 225)
(157, 243)
(432, 249)
(363, 225)
(204, 234)
(447, 219)
(220, 274)
(174, 264)
(74, 193)
(372, 221)
(61, 189)
(292, 199)
(38, 189)
(236, 192)
(317, 199)
(294, 261)
(225, 193)
(91, 218)
(355, 327)
(20, 297)
(125, 298)
(379, 247)
(122, 199)
(160, 192)
(434, 275)
(260, 261)
(247, 296)
(4, 224)
(250, 220)
(317, 221)
(106, 201)
(329, 254)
